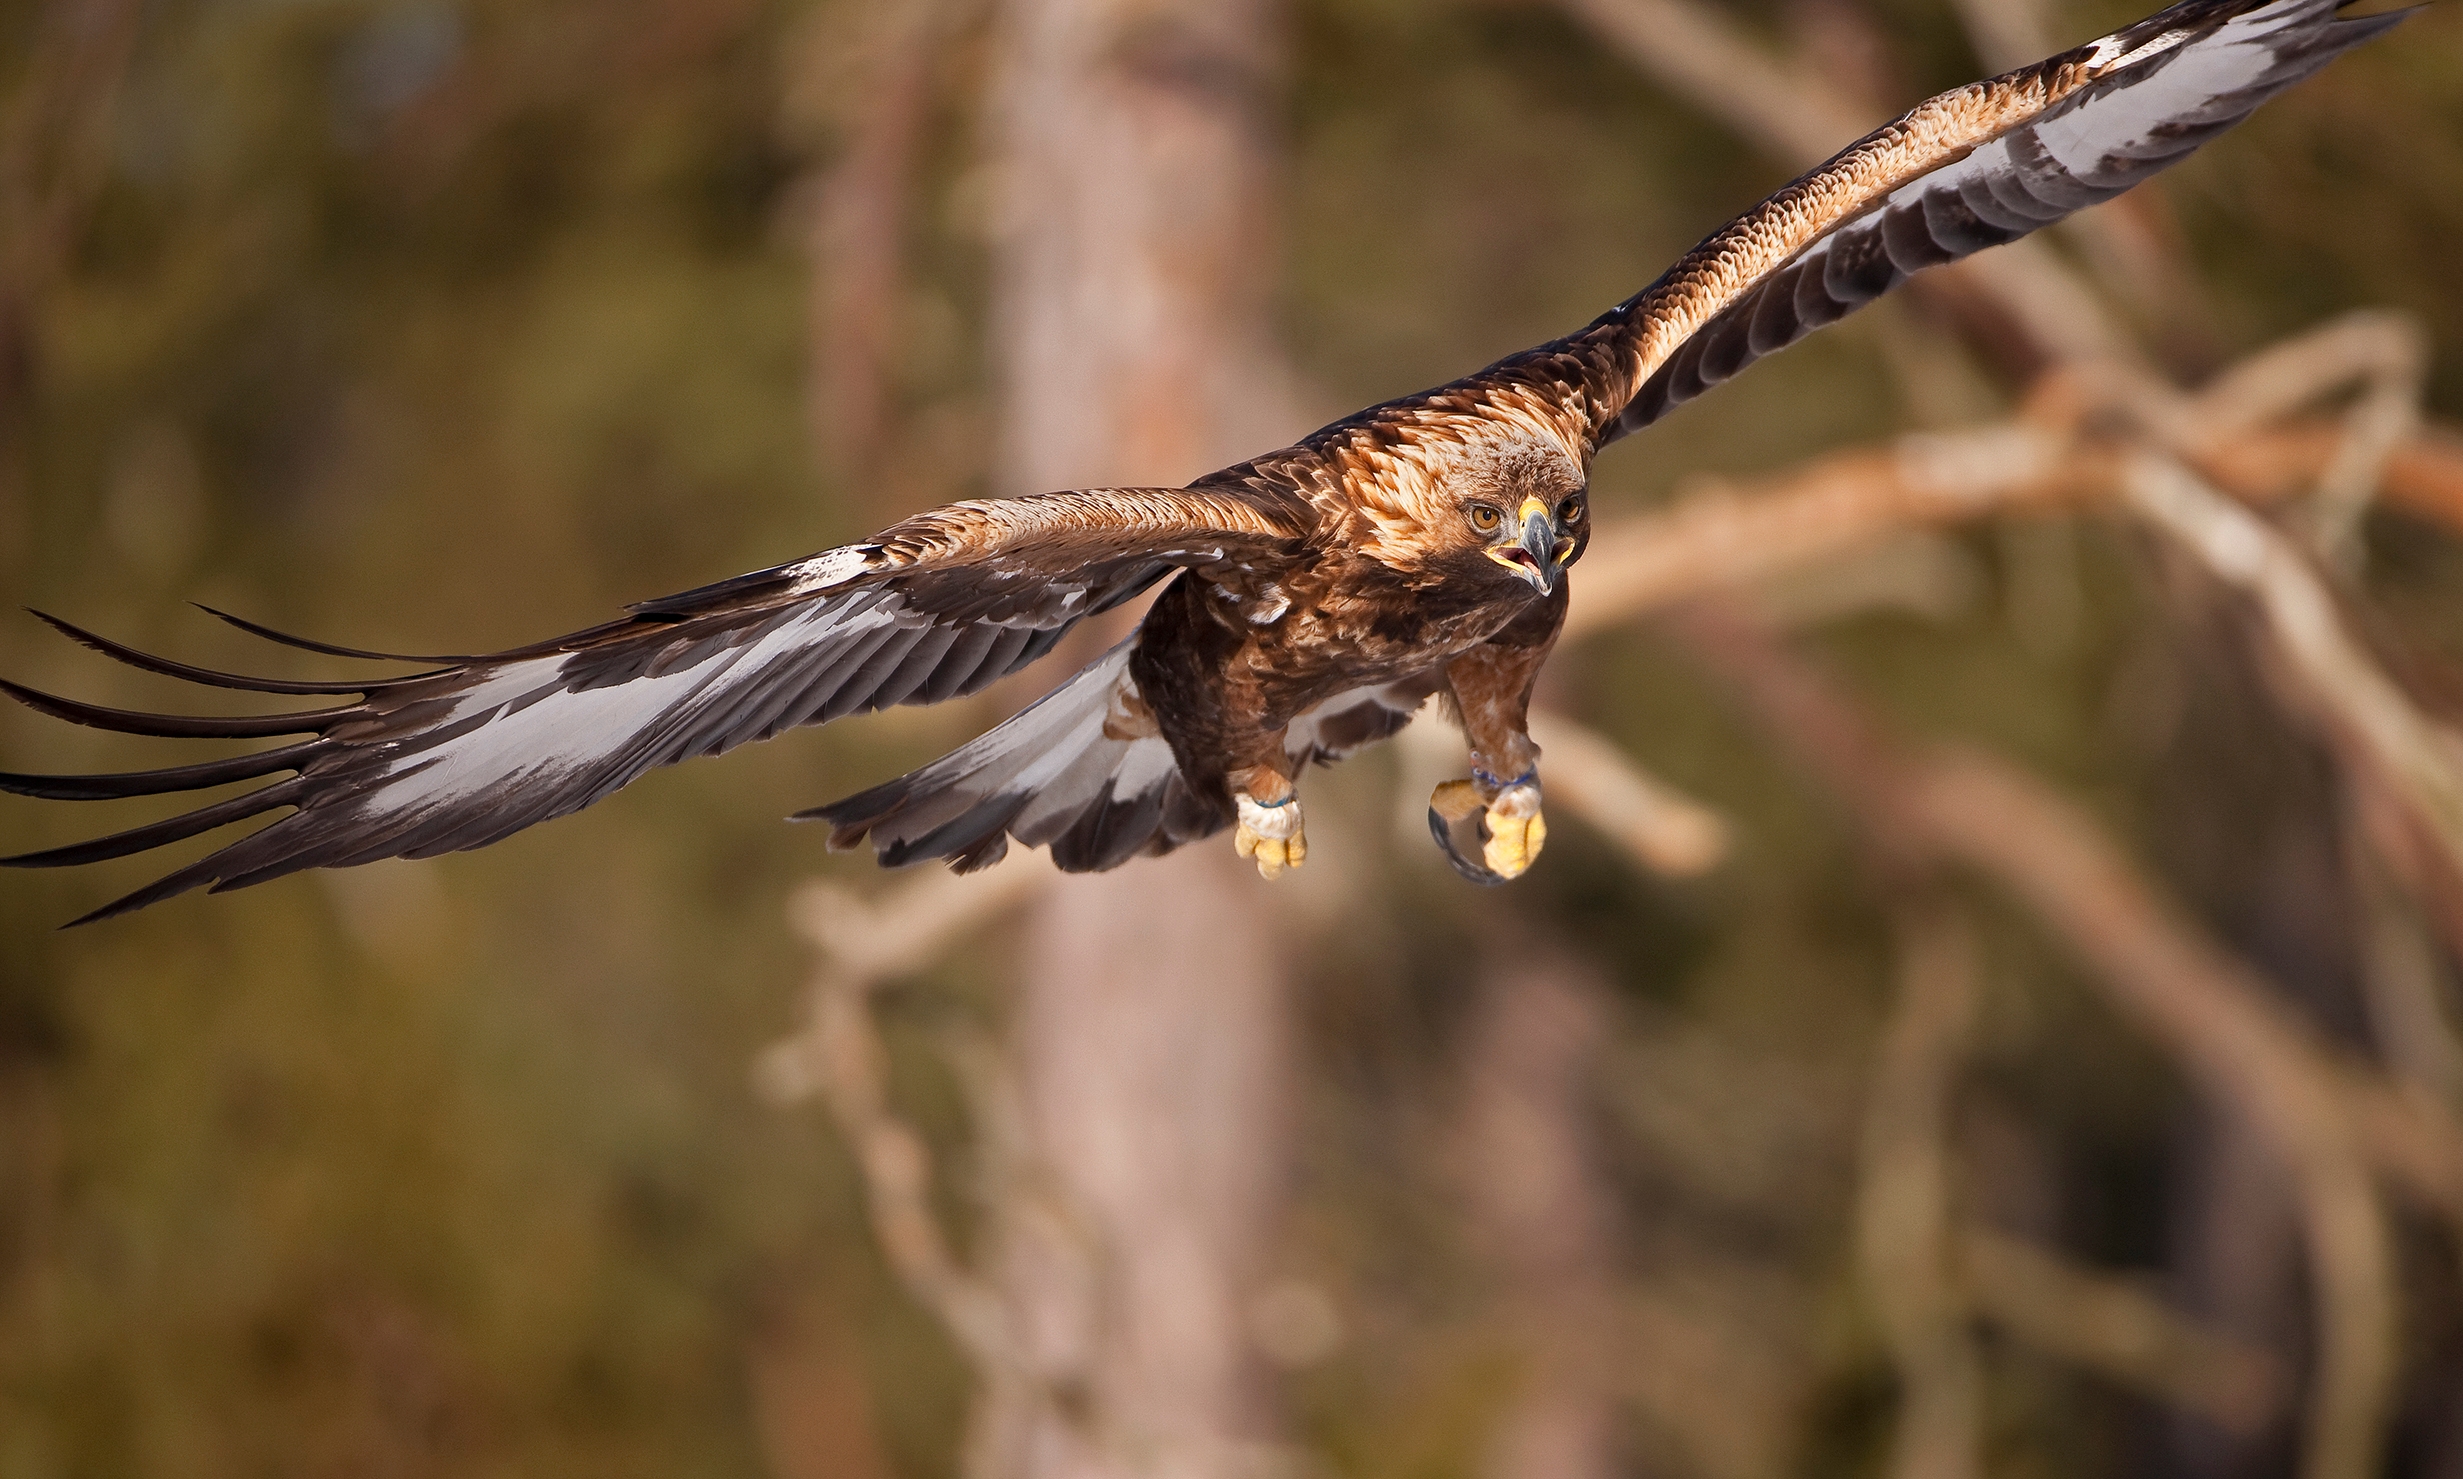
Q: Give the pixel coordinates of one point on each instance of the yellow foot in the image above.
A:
(1508, 828)
(1516, 831)
(1273, 835)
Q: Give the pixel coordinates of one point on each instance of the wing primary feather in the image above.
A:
(1131, 586)
(160, 782)
(129, 903)
(1187, 816)
(1990, 208)
(172, 829)
(916, 668)
(885, 664)
(733, 593)
(982, 855)
(965, 654)
(787, 701)
(1949, 220)
(1004, 656)
(1724, 350)
(173, 726)
(1112, 830)
(1774, 322)
(962, 835)
(1910, 244)
(1813, 303)
(2016, 190)
(845, 681)
(445, 831)
(147, 662)
(1857, 269)
(1061, 800)
(310, 644)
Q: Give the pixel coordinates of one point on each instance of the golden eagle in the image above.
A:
(1310, 599)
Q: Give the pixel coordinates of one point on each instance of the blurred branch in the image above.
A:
(1731, 535)
(1666, 831)
(2373, 348)
(918, 920)
(2386, 354)
(2112, 1326)
(53, 139)
(1721, 540)
(54, 155)
(1903, 1199)
(1708, 1380)
(2408, 758)
(1696, 51)
(2006, 34)
(2322, 1116)
(2327, 1119)
(2424, 474)
(1797, 114)
(839, 1055)
(1961, 804)
(2384, 417)
(2404, 984)
(1725, 535)
(858, 229)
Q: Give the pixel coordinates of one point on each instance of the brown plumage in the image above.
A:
(1311, 599)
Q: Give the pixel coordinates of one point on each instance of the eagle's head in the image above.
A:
(1492, 500)
(1520, 514)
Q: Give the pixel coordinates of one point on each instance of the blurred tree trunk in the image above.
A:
(1538, 1205)
(2245, 813)
(55, 132)
(1134, 273)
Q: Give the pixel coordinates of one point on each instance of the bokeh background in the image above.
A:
(441, 327)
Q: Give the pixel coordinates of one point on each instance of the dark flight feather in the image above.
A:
(464, 755)
(309, 644)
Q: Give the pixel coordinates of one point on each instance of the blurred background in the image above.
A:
(1781, 1122)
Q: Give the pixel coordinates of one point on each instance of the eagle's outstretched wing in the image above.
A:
(472, 751)
(1970, 169)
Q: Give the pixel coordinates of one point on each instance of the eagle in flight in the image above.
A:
(1310, 600)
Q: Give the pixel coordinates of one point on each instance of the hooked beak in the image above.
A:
(1533, 553)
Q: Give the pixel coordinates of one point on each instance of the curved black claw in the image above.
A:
(1464, 841)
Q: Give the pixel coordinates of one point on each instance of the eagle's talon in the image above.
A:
(1513, 843)
(1506, 831)
(1271, 835)
(1455, 801)
(1516, 830)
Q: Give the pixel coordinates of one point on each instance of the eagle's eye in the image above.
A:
(1569, 512)
(1486, 517)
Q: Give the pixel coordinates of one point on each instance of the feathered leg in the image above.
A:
(1499, 804)
(1272, 830)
